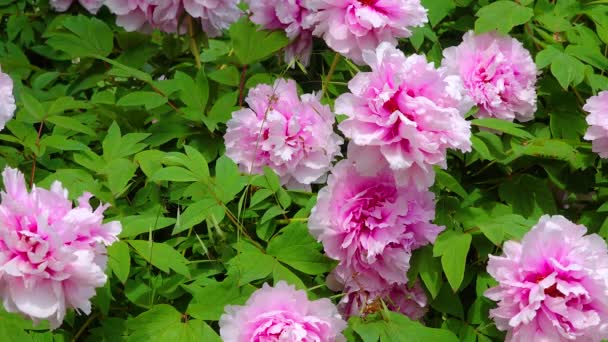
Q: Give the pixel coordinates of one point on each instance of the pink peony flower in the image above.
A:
(7, 101)
(146, 15)
(281, 313)
(407, 111)
(553, 285)
(215, 15)
(90, 5)
(370, 224)
(289, 16)
(597, 107)
(399, 298)
(352, 26)
(52, 256)
(498, 73)
(292, 135)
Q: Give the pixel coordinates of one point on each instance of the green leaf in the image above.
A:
(148, 99)
(208, 303)
(228, 76)
(174, 174)
(161, 256)
(70, 124)
(453, 248)
(119, 260)
(86, 37)
(502, 126)
(194, 214)
(429, 268)
(295, 247)
(567, 70)
(446, 180)
(398, 328)
(164, 323)
(252, 44)
(438, 9)
(492, 16)
(228, 179)
(250, 265)
(140, 224)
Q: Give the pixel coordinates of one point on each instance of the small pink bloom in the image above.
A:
(411, 302)
(285, 15)
(371, 225)
(52, 255)
(146, 15)
(407, 110)
(291, 134)
(90, 5)
(553, 285)
(498, 74)
(215, 15)
(7, 101)
(282, 313)
(597, 107)
(352, 26)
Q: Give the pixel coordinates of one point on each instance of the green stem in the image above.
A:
(193, 44)
(330, 74)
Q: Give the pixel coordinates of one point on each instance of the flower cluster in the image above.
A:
(7, 101)
(291, 134)
(52, 255)
(498, 74)
(371, 224)
(281, 313)
(168, 15)
(90, 5)
(353, 26)
(597, 107)
(411, 302)
(406, 110)
(553, 285)
(288, 16)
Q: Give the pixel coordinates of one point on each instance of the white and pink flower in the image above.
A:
(282, 313)
(498, 73)
(7, 100)
(52, 255)
(553, 285)
(597, 107)
(291, 134)
(351, 26)
(407, 111)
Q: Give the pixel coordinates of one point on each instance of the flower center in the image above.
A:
(554, 292)
(368, 2)
(391, 105)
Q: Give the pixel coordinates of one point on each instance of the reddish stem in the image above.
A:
(38, 147)
(242, 85)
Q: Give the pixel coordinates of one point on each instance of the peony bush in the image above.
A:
(303, 170)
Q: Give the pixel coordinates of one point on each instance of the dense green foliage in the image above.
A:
(138, 121)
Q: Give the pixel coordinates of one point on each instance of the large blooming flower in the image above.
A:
(90, 5)
(352, 26)
(215, 15)
(52, 256)
(407, 110)
(553, 285)
(292, 135)
(281, 313)
(145, 15)
(597, 107)
(411, 302)
(498, 74)
(7, 101)
(371, 225)
(285, 15)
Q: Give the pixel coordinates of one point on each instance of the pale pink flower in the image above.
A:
(553, 285)
(411, 302)
(370, 224)
(215, 15)
(7, 100)
(90, 5)
(498, 74)
(407, 110)
(352, 26)
(597, 107)
(291, 134)
(285, 15)
(52, 256)
(282, 313)
(146, 15)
